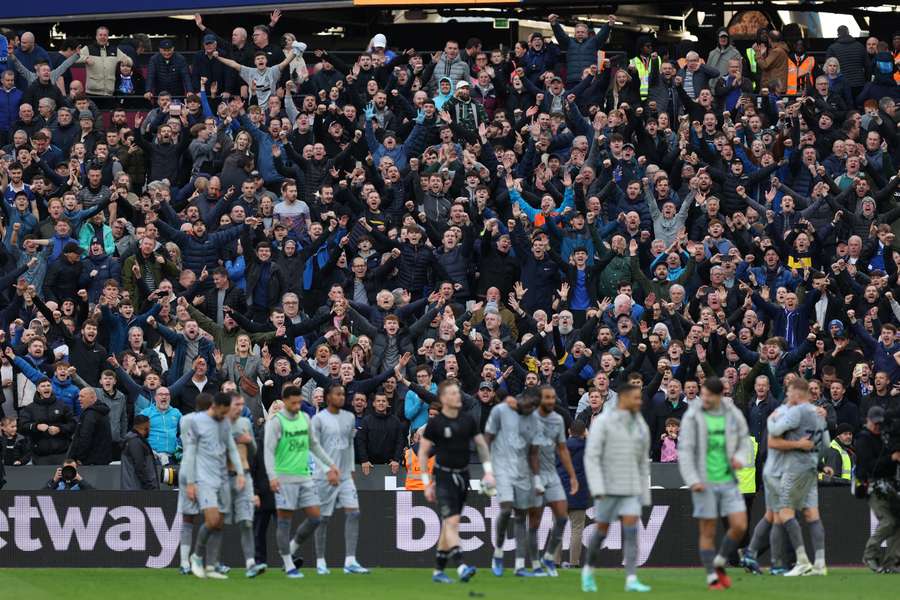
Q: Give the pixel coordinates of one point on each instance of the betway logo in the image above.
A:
(119, 529)
(474, 531)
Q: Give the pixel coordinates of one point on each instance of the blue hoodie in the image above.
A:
(66, 391)
(440, 98)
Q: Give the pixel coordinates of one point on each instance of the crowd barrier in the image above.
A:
(397, 529)
(380, 478)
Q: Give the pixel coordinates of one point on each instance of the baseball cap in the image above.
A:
(209, 39)
(723, 33)
(254, 174)
(555, 78)
(86, 114)
(165, 44)
(485, 385)
(379, 41)
(876, 414)
(71, 248)
(462, 84)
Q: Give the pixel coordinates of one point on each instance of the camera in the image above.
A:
(69, 473)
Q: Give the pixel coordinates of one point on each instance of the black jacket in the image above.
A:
(52, 412)
(872, 460)
(253, 273)
(234, 297)
(16, 449)
(381, 439)
(62, 279)
(92, 442)
(139, 470)
(89, 359)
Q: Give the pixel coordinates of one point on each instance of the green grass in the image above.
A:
(403, 584)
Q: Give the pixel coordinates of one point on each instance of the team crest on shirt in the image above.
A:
(447, 433)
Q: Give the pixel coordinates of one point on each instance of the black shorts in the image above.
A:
(450, 490)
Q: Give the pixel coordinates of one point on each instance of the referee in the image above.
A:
(449, 435)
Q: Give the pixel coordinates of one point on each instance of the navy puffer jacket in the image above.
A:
(197, 253)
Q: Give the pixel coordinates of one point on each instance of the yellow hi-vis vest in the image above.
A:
(747, 476)
(751, 59)
(643, 71)
(846, 464)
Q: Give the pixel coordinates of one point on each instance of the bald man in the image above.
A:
(28, 53)
(92, 441)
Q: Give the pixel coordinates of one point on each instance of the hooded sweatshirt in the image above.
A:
(441, 98)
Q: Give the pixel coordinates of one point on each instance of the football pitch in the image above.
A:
(401, 584)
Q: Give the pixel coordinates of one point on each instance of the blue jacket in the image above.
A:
(9, 107)
(581, 500)
(199, 252)
(13, 216)
(399, 153)
(780, 277)
(179, 342)
(536, 63)
(580, 55)
(65, 391)
(797, 322)
(883, 357)
(163, 428)
(107, 267)
(415, 409)
(118, 327)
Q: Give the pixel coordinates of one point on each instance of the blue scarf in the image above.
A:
(320, 259)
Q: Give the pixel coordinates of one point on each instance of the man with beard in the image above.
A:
(461, 110)
(164, 153)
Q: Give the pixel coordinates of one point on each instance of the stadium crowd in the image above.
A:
(546, 215)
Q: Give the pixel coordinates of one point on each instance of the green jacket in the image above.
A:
(467, 114)
(160, 272)
(618, 269)
(224, 339)
(659, 288)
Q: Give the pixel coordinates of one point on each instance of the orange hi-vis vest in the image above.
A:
(414, 472)
(800, 75)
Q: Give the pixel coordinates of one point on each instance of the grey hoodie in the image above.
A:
(617, 455)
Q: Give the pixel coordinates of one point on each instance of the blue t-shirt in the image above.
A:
(581, 300)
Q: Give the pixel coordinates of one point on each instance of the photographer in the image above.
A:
(67, 478)
(877, 461)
